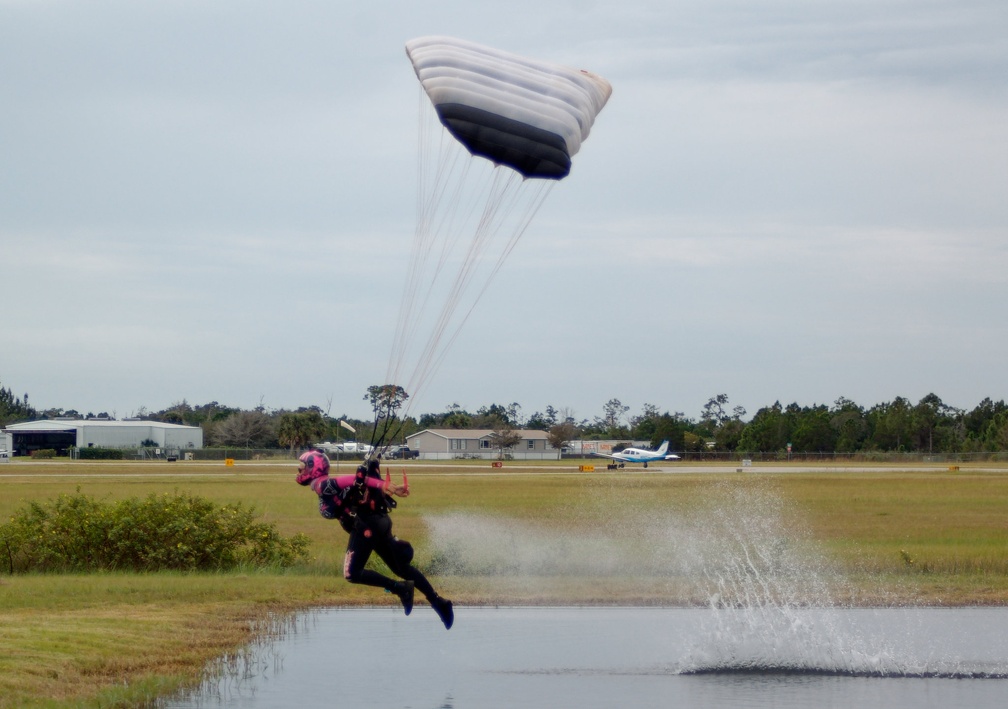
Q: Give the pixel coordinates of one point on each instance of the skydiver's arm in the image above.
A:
(328, 485)
(345, 481)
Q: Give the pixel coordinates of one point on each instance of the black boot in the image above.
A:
(405, 593)
(443, 607)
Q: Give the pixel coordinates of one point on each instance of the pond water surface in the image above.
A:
(626, 657)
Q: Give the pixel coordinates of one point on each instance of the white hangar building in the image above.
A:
(63, 434)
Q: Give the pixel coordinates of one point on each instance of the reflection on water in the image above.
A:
(600, 657)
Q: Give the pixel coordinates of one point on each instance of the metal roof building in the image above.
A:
(63, 434)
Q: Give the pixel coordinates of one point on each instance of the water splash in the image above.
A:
(770, 591)
(737, 549)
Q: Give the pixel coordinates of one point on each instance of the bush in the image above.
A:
(100, 453)
(161, 532)
(43, 453)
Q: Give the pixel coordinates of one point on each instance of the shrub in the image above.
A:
(100, 453)
(163, 531)
(43, 453)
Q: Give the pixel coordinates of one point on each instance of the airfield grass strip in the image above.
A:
(124, 639)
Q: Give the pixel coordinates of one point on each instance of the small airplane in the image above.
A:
(641, 455)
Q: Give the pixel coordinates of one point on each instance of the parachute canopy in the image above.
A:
(527, 114)
(476, 103)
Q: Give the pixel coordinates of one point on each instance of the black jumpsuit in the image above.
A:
(362, 507)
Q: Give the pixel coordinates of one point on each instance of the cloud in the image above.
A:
(789, 200)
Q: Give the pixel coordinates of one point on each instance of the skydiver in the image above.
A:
(361, 502)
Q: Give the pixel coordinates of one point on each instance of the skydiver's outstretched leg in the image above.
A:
(398, 555)
(359, 550)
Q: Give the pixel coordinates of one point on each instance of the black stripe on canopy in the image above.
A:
(532, 151)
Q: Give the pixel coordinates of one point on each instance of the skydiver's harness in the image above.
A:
(367, 507)
(348, 503)
(366, 499)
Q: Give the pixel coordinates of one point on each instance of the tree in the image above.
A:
(889, 425)
(813, 432)
(692, 442)
(644, 426)
(977, 423)
(551, 415)
(458, 418)
(612, 413)
(454, 417)
(713, 414)
(539, 422)
(729, 434)
(505, 437)
(848, 420)
(561, 434)
(675, 428)
(769, 430)
(13, 409)
(715, 422)
(934, 424)
(246, 428)
(386, 400)
(996, 436)
(300, 429)
(493, 416)
(514, 414)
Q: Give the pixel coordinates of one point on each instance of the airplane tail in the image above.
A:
(663, 449)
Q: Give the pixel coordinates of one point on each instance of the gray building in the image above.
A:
(64, 434)
(450, 443)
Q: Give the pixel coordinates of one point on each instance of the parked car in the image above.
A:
(401, 453)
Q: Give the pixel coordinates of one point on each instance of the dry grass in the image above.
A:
(898, 536)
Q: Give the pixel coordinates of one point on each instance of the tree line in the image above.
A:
(928, 427)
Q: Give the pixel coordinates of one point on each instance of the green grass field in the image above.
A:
(517, 535)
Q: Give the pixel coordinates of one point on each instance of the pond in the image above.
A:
(770, 656)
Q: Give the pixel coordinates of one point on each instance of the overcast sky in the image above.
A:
(783, 200)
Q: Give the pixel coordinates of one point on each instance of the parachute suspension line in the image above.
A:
(463, 277)
(510, 196)
(378, 442)
(443, 176)
(446, 202)
(534, 203)
(440, 167)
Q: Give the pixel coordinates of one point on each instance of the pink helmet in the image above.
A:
(316, 464)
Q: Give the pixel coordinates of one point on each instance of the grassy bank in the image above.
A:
(896, 536)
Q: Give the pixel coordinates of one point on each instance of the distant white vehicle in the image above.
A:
(346, 447)
(358, 448)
